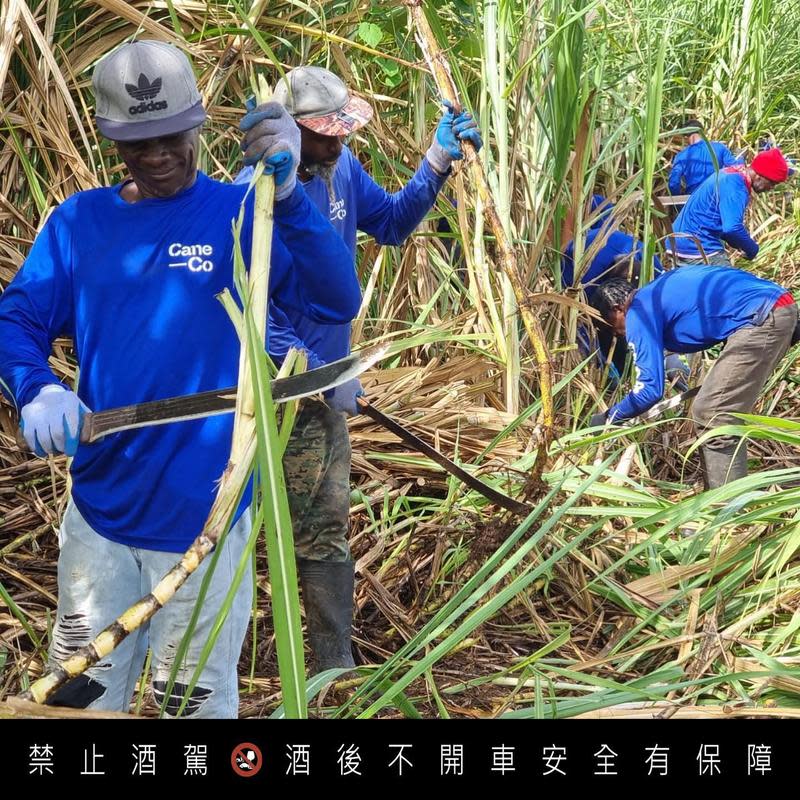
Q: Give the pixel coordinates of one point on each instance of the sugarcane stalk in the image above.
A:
(237, 472)
(138, 614)
(258, 281)
(440, 69)
(278, 524)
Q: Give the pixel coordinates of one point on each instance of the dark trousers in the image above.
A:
(739, 374)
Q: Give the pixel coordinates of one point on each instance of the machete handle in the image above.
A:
(87, 427)
(85, 438)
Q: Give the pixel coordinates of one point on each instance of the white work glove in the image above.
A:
(272, 136)
(51, 422)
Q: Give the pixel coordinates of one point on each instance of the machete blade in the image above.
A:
(223, 401)
(665, 405)
(489, 492)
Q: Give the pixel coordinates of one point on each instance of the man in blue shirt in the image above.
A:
(714, 215)
(696, 162)
(620, 256)
(131, 273)
(689, 310)
(317, 459)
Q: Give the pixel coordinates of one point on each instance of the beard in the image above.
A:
(326, 172)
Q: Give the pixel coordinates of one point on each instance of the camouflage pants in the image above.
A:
(317, 469)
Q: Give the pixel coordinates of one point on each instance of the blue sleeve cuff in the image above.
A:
(741, 240)
(313, 360)
(289, 204)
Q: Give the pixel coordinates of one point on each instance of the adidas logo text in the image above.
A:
(151, 106)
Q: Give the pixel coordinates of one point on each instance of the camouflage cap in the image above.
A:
(320, 101)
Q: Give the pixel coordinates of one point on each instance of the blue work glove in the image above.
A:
(343, 398)
(452, 130)
(51, 422)
(271, 135)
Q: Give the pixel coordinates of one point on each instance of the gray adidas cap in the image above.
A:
(145, 89)
(320, 101)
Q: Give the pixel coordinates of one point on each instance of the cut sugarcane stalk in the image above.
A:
(440, 69)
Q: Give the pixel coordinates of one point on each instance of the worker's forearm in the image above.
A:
(392, 218)
(741, 240)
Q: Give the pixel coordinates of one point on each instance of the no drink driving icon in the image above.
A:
(246, 759)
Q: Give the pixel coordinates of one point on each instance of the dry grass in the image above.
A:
(416, 537)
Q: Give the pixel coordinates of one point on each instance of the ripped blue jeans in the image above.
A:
(99, 579)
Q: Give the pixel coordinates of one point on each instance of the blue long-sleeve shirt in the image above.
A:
(684, 311)
(596, 202)
(619, 244)
(694, 164)
(135, 285)
(359, 204)
(715, 214)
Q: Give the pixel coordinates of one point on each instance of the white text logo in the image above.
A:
(338, 211)
(195, 256)
(638, 385)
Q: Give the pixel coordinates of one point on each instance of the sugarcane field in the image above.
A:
(412, 360)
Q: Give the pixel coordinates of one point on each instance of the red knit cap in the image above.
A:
(771, 165)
